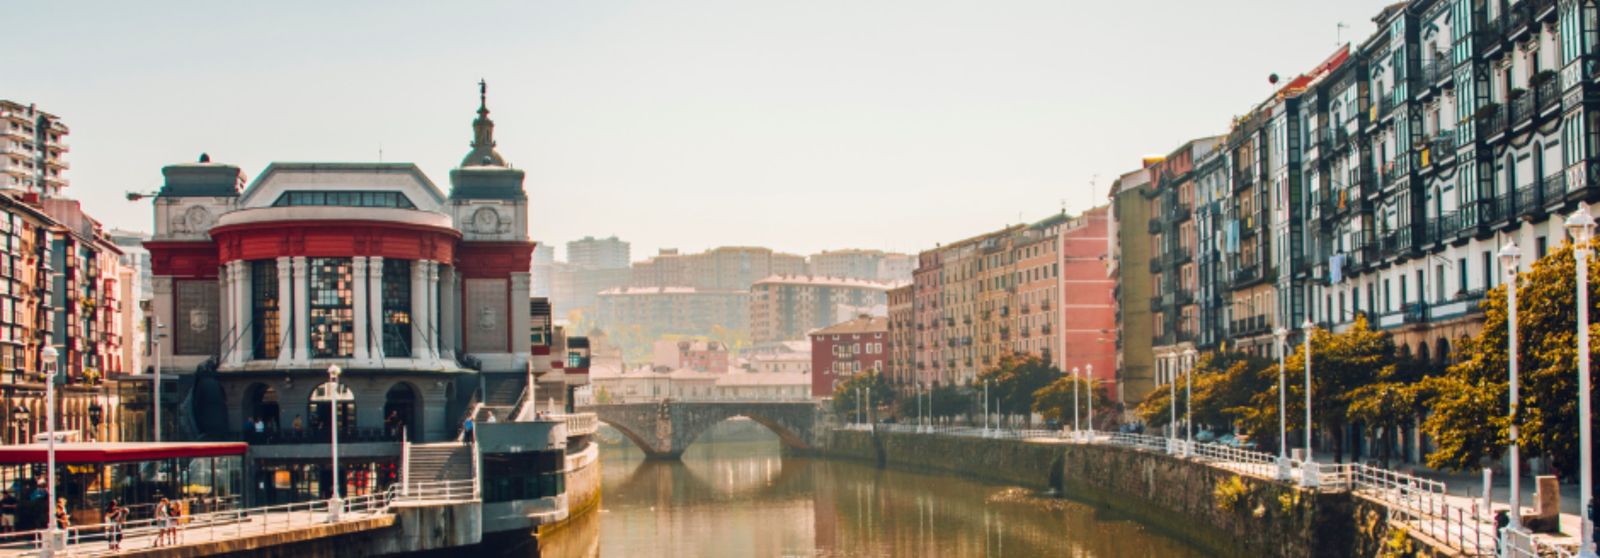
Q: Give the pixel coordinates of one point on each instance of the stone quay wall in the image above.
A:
(1216, 510)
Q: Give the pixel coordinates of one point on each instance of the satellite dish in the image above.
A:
(1273, 79)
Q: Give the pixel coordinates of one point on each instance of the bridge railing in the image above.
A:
(578, 424)
(96, 539)
(624, 399)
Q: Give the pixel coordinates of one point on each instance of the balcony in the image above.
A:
(1517, 21)
(1547, 90)
(1437, 71)
(1394, 172)
(1385, 106)
(1442, 146)
(1554, 187)
(1178, 214)
(1154, 226)
(1522, 107)
(1530, 201)
(1246, 274)
(1044, 329)
(1027, 308)
(1491, 121)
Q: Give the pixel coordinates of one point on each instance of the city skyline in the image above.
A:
(942, 102)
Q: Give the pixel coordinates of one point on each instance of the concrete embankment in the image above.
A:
(1216, 510)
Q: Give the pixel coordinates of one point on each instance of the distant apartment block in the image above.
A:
(871, 265)
(33, 150)
(785, 308)
(599, 253)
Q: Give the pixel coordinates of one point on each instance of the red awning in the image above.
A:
(123, 452)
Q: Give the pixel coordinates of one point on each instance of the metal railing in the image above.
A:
(456, 490)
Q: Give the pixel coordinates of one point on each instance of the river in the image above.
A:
(739, 497)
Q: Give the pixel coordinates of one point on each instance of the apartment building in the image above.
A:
(33, 150)
(786, 308)
(1382, 182)
(902, 334)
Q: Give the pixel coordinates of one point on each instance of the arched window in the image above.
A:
(261, 403)
(318, 409)
(400, 411)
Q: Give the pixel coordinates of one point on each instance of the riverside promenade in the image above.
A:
(307, 528)
(1427, 510)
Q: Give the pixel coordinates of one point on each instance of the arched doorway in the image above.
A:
(400, 411)
(318, 405)
(261, 403)
(1444, 351)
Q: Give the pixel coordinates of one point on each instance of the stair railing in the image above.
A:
(405, 462)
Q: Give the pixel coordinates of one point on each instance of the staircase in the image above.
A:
(438, 462)
(502, 390)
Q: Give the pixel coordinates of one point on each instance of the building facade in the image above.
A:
(786, 308)
(846, 349)
(902, 334)
(1383, 182)
(33, 150)
(599, 253)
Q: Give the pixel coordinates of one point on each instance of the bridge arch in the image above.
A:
(665, 429)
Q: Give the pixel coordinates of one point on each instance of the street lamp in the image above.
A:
(1310, 475)
(335, 503)
(1282, 333)
(1188, 400)
(1581, 225)
(157, 379)
(1088, 376)
(1510, 257)
(1172, 403)
(1075, 427)
(53, 538)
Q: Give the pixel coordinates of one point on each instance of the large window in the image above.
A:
(332, 332)
(345, 199)
(396, 308)
(264, 309)
(195, 314)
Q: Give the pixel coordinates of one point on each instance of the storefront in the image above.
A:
(200, 476)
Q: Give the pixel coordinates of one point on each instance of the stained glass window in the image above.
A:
(397, 308)
(264, 309)
(332, 317)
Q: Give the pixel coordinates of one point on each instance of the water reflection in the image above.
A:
(741, 498)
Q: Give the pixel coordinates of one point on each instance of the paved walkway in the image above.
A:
(143, 537)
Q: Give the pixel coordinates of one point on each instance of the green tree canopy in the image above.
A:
(1341, 363)
(1055, 401)
(1469, 402)
(1014, 380)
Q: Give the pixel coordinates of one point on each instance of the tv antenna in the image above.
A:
(1338, 33)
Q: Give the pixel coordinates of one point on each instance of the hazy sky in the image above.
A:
(800, 125)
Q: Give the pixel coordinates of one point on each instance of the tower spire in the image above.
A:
(483, 153)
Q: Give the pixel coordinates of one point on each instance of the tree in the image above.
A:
(870, 387)
(1391, 402)
(1055, 401)
(1013, 382)
(950, 401)
(1340, 364)
(1225, 385)
(1469, 403)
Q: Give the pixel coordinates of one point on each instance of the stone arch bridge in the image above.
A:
(664, 429)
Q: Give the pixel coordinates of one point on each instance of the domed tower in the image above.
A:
(490, 209)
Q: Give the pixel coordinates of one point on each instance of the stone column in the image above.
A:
(519, 321)
(432, 294)
(302, 312)
(358, 274)
(285, 312)
(225, 314)
(419, 309)
(374, 281)
(449, 315)
(244, 346)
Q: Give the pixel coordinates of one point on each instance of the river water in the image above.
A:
(740, 498)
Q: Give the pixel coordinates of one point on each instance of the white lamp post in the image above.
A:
(1188, 400)
(335, 504)
(1581, 225)
(1088, 376)
(1075, 427)
(156, 380)
(1310, 476)
(1172, 405)
(1510, 257)
(53, 536)
(1282, 334)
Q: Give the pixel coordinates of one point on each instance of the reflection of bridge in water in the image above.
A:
(663, 429)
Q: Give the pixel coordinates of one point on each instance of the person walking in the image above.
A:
(116, 519)
(63, 521)
(8, 512)
(163, 517)
(466, 430)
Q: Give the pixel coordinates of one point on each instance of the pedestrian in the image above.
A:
(466, 430)
(261, 426)
(116, 518)
(299, 426)
(173, 518)
(63, 521)
(163, 516)
(8, 512)
(491, 420)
